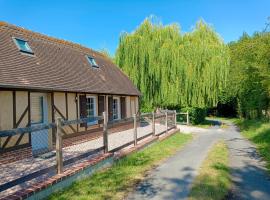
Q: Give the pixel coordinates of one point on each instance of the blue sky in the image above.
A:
(98, 23)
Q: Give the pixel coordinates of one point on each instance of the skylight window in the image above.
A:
(92, 61)
(23, 46)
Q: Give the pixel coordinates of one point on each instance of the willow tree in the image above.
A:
(174, 69)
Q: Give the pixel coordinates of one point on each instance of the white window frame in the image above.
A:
(118, 108)
(95, 108)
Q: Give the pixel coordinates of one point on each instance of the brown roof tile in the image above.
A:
(57, 65)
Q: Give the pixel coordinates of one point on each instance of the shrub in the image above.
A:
(196, 115)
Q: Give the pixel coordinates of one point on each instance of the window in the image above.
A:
(91, 108)
(116, 108)
(23, 45)
(92, 61)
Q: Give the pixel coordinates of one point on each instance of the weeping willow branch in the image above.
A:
(174, 69)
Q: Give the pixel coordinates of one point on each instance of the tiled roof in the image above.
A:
(57, 65)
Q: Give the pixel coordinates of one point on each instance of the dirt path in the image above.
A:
(173, 179)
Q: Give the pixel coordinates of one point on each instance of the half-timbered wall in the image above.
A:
(15, 112)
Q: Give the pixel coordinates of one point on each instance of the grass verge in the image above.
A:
(115, 182)
(213, 181)
(257, 131)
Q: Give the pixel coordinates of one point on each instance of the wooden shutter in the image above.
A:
(123, 107)
(101, 106)
(110, 108)
(37, 108)
(83, 113)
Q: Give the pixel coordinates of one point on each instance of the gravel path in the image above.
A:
(172, 179)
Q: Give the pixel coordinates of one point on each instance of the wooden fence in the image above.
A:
(60, 123)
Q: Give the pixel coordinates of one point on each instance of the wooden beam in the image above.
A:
(29, 114)
(17, 125)
(21, 118)
(14, 117)
(63, 117)
(77, 114)
(53, 116)
(14, 108)
(52, 104)
(66, 102)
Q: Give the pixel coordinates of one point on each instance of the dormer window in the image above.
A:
(23, 45)
(92, 61)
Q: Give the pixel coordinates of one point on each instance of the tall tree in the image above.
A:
(174, 69)
(249, 79)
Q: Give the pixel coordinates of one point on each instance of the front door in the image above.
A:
(39, 115)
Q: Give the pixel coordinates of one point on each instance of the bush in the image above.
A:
(196, 115)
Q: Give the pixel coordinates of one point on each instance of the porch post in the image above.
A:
(187, 118)
(153, 123)
(105, 132)
(166, 122)
(175, 118)
(59, 146)
(135, 129)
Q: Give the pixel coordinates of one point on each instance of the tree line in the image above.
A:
(196, 69)
(249, 80)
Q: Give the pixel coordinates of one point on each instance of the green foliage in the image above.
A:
(249, 79)
(196, 115)
(172, 69)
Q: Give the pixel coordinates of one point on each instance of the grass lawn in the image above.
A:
(213, 180)
(257, 131)
(117, 181)
(208, 123)
(205, 124)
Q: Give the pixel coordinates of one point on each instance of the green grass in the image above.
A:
(257, 131)
(205, 124)
(115, 182)
(213, 181)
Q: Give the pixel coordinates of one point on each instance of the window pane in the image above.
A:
(23, 45)
(92, 61)
(115, 108)
(90, 105)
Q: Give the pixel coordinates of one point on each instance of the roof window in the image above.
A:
(23, 45)
(92, 61)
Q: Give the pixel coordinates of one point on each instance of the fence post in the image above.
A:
(153, 123)
(187, 118)
(58, 147)
(135, 129)
(105, 132)
(175, 118)
(166, 122)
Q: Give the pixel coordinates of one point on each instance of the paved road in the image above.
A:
(172, 179)
(251, 182)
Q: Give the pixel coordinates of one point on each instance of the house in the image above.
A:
(43, 78)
